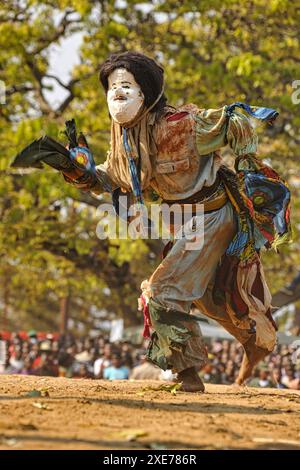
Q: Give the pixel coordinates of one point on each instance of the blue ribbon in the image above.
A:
(132, 168)
(263, 114)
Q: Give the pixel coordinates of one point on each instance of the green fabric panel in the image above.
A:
(170, 334)
(214, 129)
(210, 130)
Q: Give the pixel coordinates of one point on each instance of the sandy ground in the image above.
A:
(89, 414)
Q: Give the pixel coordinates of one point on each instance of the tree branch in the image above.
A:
(19, 89)
(38, 75)
(60, 31)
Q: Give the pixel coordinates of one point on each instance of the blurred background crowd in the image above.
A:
(98, 358)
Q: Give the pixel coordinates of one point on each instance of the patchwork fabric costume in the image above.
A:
(244, 211)
(176, 154)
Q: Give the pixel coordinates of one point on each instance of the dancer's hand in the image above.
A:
(81, 176)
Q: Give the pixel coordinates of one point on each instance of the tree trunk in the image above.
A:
(64, 314)
(5, 303)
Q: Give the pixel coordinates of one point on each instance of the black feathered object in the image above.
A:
(44, 150)
(48, 151)
(67, 160)
(71, 133)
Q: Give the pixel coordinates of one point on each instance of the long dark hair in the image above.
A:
(147, 73)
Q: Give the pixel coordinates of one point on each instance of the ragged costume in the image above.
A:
(176, 153)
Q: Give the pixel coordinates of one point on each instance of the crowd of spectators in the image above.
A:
(280, 369)
(98, 358)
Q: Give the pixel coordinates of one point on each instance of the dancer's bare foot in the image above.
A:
(252, 355)
(239, 388)
(191, 381)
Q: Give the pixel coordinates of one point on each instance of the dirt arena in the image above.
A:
(59, 413)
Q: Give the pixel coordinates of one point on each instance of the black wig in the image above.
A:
(147, 73)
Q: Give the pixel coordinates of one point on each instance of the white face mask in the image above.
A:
(124, 97)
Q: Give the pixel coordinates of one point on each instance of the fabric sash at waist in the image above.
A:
(213, 198)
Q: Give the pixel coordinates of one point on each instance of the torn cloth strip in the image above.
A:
(242, 289)
(147, 320)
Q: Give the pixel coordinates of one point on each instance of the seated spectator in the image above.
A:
(27, 368)
(83, 372)
(65, 362)
(276, 378)
(230, 371)
(145, 371)
(103, 362)
(290, 379)
(16, 363)
(84, 356)
(116, 371)
(223, 377)
(48, 365)
(32, 337)
(263, 379)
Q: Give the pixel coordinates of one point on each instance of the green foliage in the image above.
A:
(214, 52)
